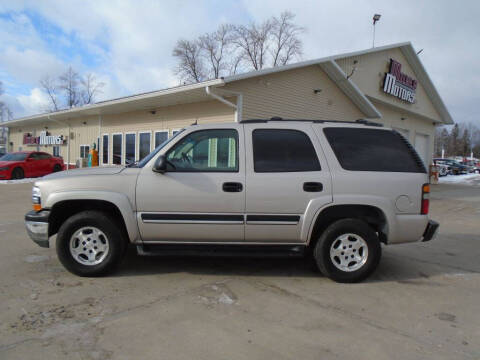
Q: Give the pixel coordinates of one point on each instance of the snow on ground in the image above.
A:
(468, 179)
(21, 181)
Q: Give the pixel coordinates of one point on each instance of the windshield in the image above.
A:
(147, 158)
(14, 157)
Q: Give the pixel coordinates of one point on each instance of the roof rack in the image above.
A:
(277, 118)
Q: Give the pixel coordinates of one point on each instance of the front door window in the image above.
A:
(206, 151)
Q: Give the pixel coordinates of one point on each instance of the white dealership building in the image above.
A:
(386, 84)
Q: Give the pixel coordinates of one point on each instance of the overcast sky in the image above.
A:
(128, 44)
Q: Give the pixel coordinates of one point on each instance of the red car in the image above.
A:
(18, 165)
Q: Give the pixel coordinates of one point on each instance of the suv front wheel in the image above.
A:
(347, 251)
(90, 243)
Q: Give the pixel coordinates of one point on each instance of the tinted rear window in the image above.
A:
(373, 150)
(282, 150)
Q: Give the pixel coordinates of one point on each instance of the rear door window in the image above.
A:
(283, 150)
(373, 150)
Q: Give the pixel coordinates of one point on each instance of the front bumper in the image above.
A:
(431, 230)
(37, 227)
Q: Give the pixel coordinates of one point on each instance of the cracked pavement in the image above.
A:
(423, 302)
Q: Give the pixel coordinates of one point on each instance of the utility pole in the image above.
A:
(376, 17)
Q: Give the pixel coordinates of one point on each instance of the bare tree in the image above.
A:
(236, 63)
(49, 86)
(233, 48)
(286, 43)
(190, 67)
(69, 82)
(90, 88)
(253, 42)
(3, 106)
(214, 47)
(5, 115)
(70, 90)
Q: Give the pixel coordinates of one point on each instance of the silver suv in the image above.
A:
(328, 191)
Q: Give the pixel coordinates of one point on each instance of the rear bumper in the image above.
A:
(431, 230)
(37, 227)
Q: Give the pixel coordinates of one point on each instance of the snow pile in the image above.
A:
(21, 181)
(468, 179)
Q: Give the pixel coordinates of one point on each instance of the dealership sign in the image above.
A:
(399, 84)
(44, 139)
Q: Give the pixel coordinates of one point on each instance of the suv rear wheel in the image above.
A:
(90, 243)
(347, 251)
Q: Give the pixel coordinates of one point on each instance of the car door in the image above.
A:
(287, 181)
(32, 165)
(201, 197)
(45, 164)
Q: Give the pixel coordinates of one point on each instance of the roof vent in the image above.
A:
(276, 118)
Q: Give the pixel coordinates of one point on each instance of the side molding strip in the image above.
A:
(273, 219)
(192, 219)
(162, 218)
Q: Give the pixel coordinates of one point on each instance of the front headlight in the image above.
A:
(36, 198)
(4, 168)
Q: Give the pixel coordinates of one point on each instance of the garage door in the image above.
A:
(421, 145)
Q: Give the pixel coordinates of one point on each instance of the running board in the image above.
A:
(260, 251)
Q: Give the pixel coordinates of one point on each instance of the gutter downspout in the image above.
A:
(238, 106)
(99, 137)
(68, 144)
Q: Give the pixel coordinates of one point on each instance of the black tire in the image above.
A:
(322, 248)
(17, 174)
(117, 243)
(57, 168)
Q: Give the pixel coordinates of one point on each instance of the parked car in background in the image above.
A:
(455, 167)
(18, 165)
(472, 165)
(443, 169)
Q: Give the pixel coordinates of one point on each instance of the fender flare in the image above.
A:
(121, 201)
(389, 217)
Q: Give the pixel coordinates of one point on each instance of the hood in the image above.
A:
(103, 170)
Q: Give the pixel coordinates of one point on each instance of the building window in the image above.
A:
(160, 137)
(206, 151)
(278, 150)
(105, 149)
(84, 150)
(56, 150)
(144, 148)
(175, 131)
(117, 149)
(130, 146)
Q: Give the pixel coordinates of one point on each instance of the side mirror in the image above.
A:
(160, 165)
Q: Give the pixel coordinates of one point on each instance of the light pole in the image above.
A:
(376, 17)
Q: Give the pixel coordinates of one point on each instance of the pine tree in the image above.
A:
(454, 141)
(465, 143)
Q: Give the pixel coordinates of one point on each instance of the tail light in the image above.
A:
(425, 199)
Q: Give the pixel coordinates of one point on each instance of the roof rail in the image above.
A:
(367, 122)
(277, 118)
